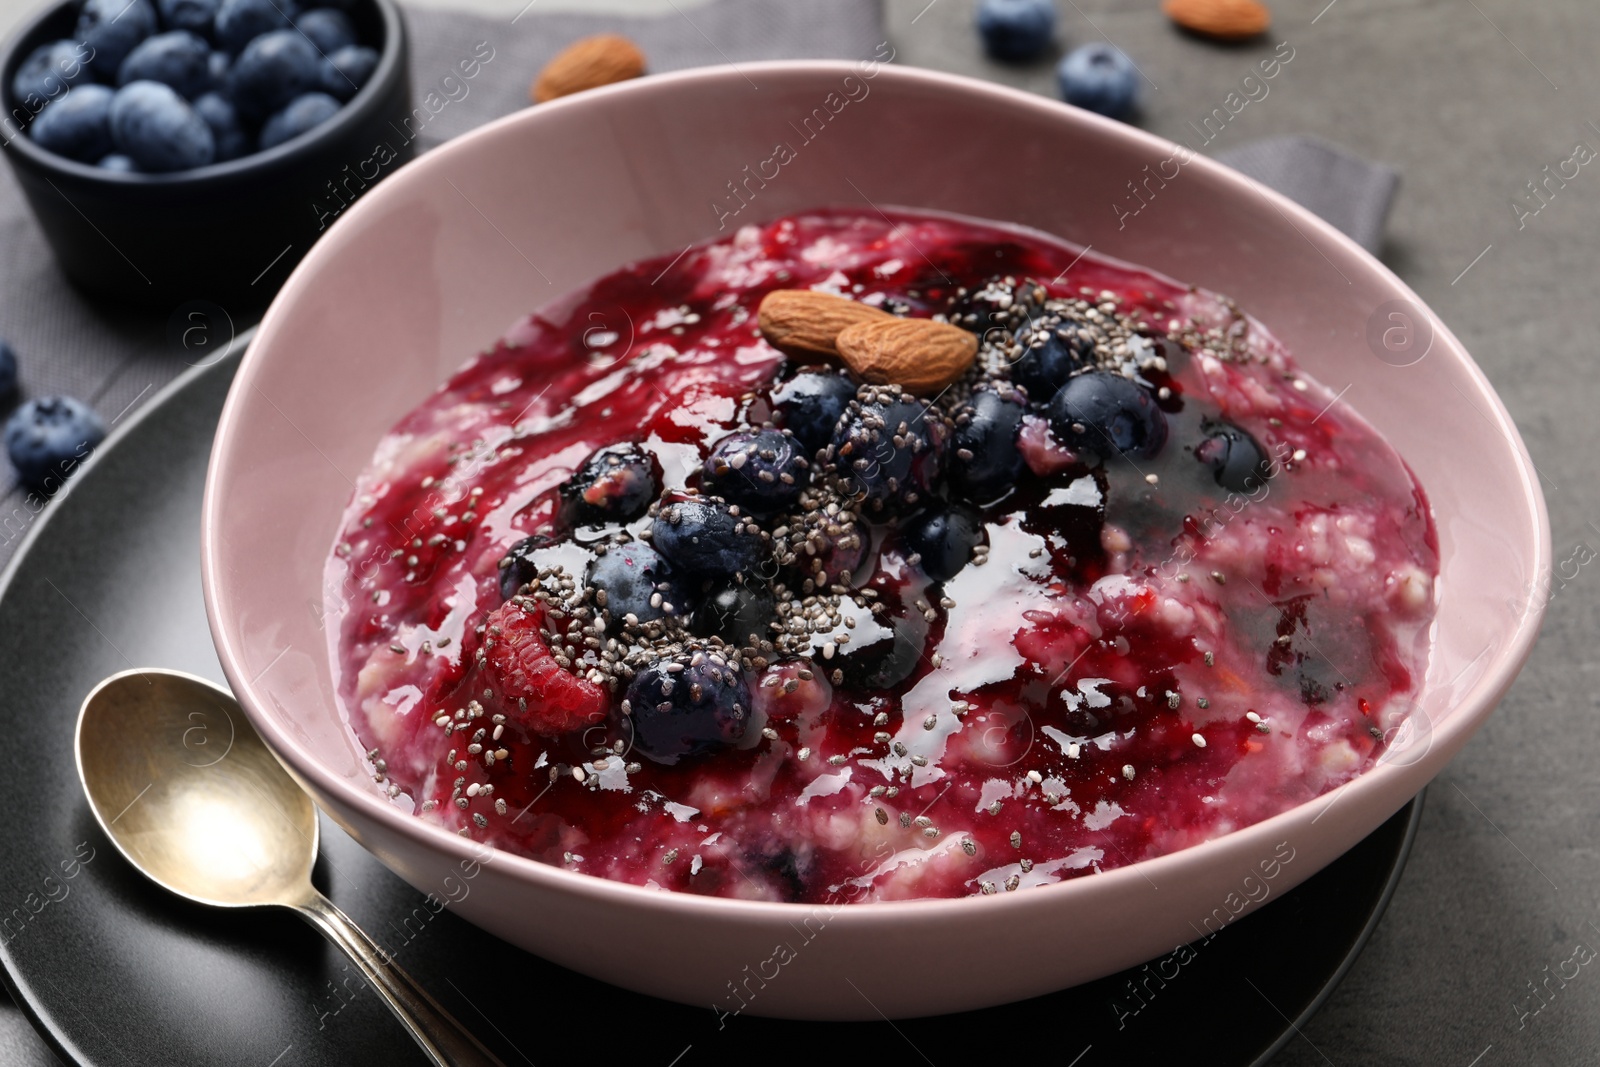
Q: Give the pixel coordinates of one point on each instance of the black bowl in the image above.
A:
(228, 233)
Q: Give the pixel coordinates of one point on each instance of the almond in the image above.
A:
(804, 322)
(919, 355)
(1226, 20)
(588, 64)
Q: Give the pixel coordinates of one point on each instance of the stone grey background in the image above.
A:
(1469, 99)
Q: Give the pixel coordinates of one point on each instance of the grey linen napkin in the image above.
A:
(1349, 192)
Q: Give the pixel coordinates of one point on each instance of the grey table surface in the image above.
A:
(1471, 100)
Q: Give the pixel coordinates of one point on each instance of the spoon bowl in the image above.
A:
(190, 795)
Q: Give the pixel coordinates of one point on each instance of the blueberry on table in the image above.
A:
(1237, 460)
(347, 70)
(809, 405)
(77, 125)
(8, 371)
(274, 69)
(196, 16)
(158, 130)
(304, 114)
(1105, 414)
(945, 538)
(111, 28)
(636, 582)
(888, 451)
(239, 22)
(615, 484)
(706, 538)
(329, 29)
(1099, 78)
(984, 462)
(1016, 29)
(763, 471)
(118, 162)
(1047, 359)
(232, 139)
(692, 703)
(179, 59)
(49, 437)
(48, 71)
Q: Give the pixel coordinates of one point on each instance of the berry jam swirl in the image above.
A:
(638, 594)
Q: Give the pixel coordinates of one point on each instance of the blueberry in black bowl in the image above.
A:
(111, 28)
(179, 59)
(157, 129)
(302, 115)
(78, 126)
(1105, 414)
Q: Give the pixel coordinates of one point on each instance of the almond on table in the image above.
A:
(588, 64)
(1226, 20)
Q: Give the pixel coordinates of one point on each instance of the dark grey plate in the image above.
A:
(111, 970)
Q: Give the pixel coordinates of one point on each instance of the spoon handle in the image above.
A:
(446, 1041)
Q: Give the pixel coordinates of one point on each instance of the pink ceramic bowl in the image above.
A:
(432, 265)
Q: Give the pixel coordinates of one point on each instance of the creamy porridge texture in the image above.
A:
(864, 557)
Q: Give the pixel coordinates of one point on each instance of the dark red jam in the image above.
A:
(1133, 582)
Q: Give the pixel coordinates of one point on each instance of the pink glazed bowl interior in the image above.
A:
(436, 262)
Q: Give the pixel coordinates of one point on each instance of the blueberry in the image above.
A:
(347, 70)
(231, 138)
(49, 70)
(984, 461)
(111, 28)
(886, 646)
(1237, 460)
(1016, 29)
(158, 130)
(740, 613)
(118, 162)
(304, 114)
(762, 471)
(945, 538)
(888, 451)
(273, 69)
(809, 405)
(983, 309)
(1101, 78)
(615, 484)
(196, 16)
(48, 437)
(8, 371)
(1105, 414)
(1047, 359)
(638, 582)
(702, 537)
(328, 29)
(77, 125)
(829, 549)
(179, 59)
(518, 566)
(241, 21)
(693, 703)
(217, 66)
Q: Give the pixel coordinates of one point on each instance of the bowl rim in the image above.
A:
(14, 138)
(1467, 711)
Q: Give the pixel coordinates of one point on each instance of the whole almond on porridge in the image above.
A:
(919, 355)
(804, 322)
(588, 64)
(1226, 20)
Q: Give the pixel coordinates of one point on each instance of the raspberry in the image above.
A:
(537, 692)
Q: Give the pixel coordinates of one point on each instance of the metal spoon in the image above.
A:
(186, 790)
